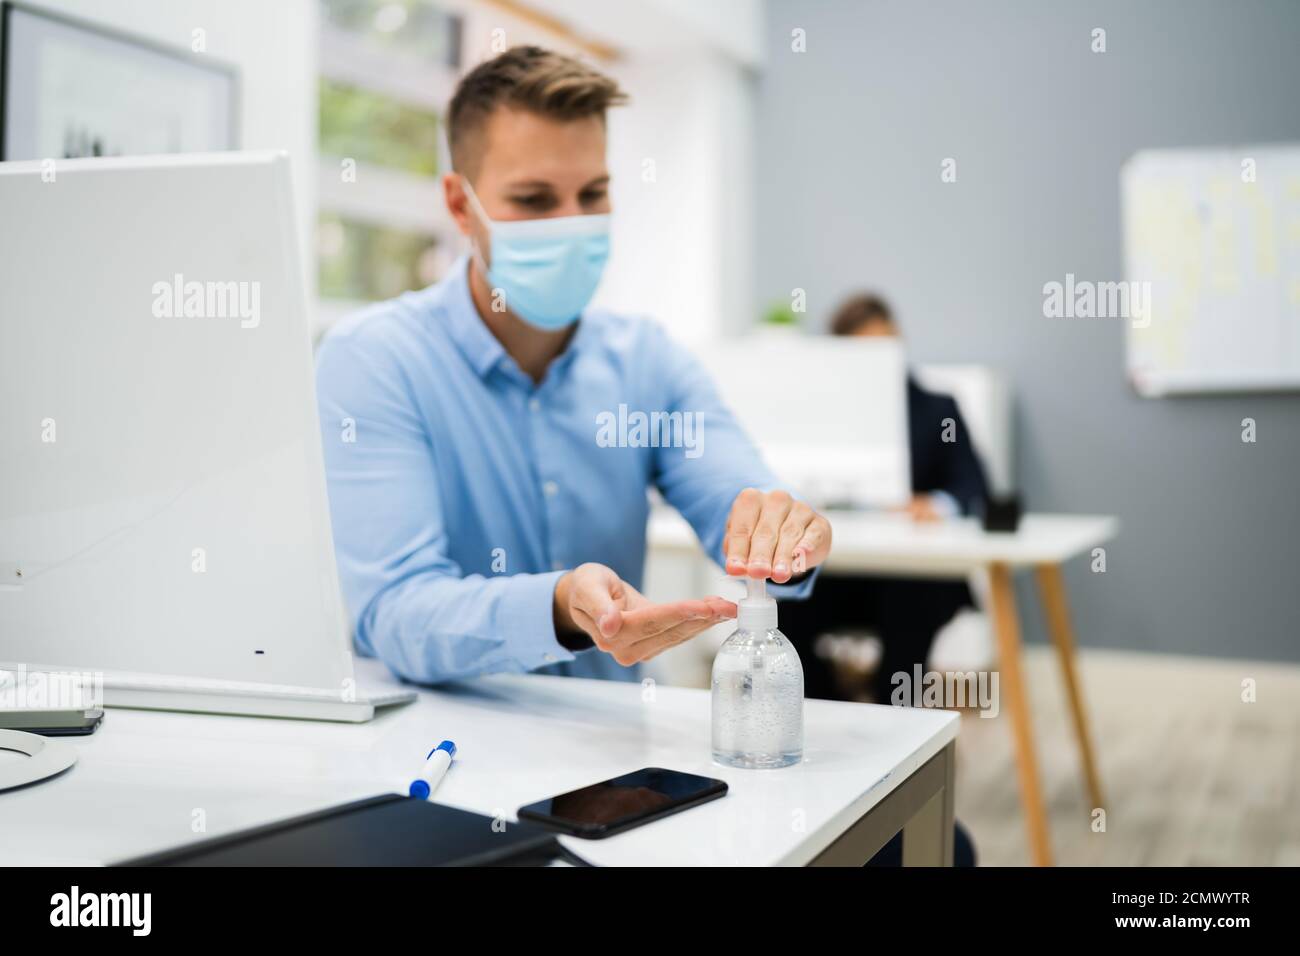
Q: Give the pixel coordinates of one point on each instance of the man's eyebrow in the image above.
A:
(544, 184)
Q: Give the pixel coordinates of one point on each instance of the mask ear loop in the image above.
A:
(475, 250)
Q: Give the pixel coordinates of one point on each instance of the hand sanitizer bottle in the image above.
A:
(757, 690)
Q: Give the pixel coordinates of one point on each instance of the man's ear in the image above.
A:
(453, 192)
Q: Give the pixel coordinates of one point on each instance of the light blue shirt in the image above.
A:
(460, 491)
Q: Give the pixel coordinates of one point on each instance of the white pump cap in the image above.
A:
(756, 611)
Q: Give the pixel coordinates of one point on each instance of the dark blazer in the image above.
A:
(938, 465)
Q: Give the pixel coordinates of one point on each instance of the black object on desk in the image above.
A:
(622, 803)
(1001, 512)
(389, 830)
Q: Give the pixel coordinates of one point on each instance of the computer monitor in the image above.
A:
(828, 414)
(162, 492)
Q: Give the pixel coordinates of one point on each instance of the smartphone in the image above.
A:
(621, 803)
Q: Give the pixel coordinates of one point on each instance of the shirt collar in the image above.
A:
(475, 341)
(479, 346)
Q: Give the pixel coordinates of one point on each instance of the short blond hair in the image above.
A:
(528, 78)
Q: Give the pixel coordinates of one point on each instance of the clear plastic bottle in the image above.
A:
(757, 690)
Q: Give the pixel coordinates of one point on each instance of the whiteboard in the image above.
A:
(1216, 233)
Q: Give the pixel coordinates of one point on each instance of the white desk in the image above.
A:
(144, 777)
(892, 544)
(884, 543)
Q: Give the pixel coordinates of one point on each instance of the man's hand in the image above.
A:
(921, 508)
(624, 623)
(770, 535)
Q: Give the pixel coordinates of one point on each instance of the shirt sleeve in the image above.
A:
(412, 605)
(945, 505)
(702, 482)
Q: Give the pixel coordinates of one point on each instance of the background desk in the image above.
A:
(882, 543)
(144, 779)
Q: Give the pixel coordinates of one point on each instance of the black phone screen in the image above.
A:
(621, 803)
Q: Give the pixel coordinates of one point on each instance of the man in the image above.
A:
(480, 523)
(947, 480)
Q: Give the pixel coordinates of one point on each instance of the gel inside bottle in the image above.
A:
(757, 690)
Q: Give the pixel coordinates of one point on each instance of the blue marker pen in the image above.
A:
(435, 767)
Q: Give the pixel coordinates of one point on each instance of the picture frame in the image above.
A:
(62, 86)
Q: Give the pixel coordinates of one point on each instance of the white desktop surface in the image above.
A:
(144, 776)
(894, 543)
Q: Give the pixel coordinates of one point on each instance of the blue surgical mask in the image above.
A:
(547, 269)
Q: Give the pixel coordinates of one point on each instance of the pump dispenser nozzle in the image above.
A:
(756, 611)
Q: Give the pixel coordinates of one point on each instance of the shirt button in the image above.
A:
(557, 565)
(534, 404)
(549, 658)
(551, 489)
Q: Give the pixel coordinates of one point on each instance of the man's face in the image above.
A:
(534, 167)
(877, 328)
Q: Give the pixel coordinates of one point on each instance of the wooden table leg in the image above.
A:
(1006, 625)
(1051, 585)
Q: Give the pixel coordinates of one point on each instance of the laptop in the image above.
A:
(164, 525)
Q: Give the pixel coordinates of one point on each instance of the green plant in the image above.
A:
(780, 314)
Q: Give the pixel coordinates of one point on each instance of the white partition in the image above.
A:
(829, 414)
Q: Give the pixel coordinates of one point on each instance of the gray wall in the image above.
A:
(851, 135)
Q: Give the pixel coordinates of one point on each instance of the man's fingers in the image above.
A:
(792, 532)
(632, 598)
(762, 544)
(610, 623)
(656, 618)
(597, 597)
(715, 611)
(721, 607)
(814, 546)
(740, 526)
(923, 509)
(651, 647)
(589, 624)
(652, 629)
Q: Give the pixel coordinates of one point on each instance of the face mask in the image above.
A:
(548, 269)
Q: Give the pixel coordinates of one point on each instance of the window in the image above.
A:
(375, 128)
(388, 68)
(362, 262)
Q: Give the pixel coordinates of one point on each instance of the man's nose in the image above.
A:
(571, 207)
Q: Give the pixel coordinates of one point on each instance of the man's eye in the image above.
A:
(590, 198)
(530, 202)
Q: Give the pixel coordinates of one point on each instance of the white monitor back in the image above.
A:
(162, 495)
(829, 414)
